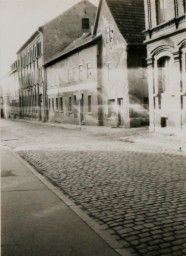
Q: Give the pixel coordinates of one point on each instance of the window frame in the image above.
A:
(89, 103)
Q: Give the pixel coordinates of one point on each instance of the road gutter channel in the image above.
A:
(76, 209)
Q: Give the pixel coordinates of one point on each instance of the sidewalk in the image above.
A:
(35, 222)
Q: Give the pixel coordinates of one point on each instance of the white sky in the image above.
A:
(20, 18)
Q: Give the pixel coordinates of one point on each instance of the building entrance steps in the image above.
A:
(36, 222)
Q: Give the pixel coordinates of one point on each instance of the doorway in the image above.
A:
(120, 110)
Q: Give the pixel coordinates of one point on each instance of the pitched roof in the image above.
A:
(64, 29)
(79, 43)
(129, 17)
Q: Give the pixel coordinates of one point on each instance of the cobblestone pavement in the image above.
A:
(136, 191)
(139, 197)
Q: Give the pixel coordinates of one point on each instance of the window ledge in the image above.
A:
(89, 113)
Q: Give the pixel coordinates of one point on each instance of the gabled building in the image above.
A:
(166, 47)
(48, 41)
(73, 83)
(123, 79)
(31, 78)
(106, 67)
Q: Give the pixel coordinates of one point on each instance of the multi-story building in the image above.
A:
(10, 93)
(73, 83)
(166, 47)
(43, 45)
(31, 78)
(123, 79)
(106, 67)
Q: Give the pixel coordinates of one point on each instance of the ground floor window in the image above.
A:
(52, 104)
(164, 121)
(70, 103)
(61, 103)
(111, 108)
(89, 103)
(56, 103)
(49, 103)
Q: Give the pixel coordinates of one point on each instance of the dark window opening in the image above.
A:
(49, 103)
(52, 103)
(61, 103)
(56, 103)
(164, 121)
(89, 103)
(85, 23)
(70, 103)
(146, 100)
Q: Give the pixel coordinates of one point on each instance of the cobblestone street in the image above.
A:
(137, 192)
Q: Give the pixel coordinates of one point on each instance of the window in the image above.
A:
(160, 11)
(164, 121)
(38, 49)
(89, 103)
(110, 71)
(111, 34)
(163, 74)
(49, 106)
(52, 104)
(56, 103)
(61, 103)
(107, 35)
(70, 103)
(85, 23)
(89, 74)
(74, 74)
(80, 72)
(111, 108)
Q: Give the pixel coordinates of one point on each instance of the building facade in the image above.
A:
(166, 48)
(31, 78)
(123, 77)
(105, 66)
(46, 43)
(10, 93)
(72, 83)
